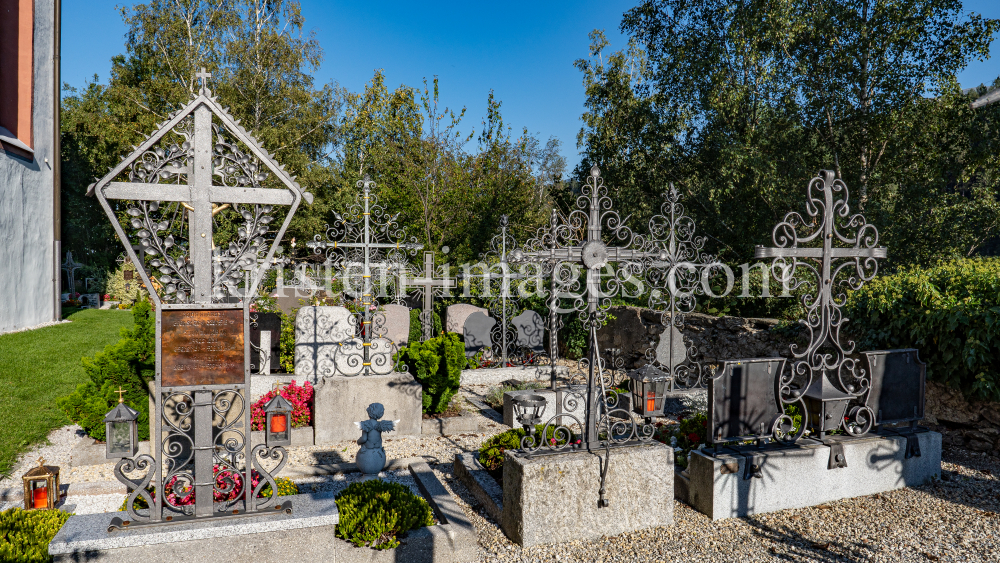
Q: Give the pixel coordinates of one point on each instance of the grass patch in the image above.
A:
(37, 366)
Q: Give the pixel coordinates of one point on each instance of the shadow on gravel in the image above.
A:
(978, 488)
(802, 548)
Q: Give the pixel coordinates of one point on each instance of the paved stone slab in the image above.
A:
(554, 498)
(469, 471)
(455, 315)
(799, 476)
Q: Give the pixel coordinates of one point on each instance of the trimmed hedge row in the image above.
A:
(950, 312)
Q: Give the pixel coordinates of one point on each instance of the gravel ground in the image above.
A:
(955, 519)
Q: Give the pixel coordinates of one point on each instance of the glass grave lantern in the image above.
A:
(41, 487)
(121, 430)
(827, 405)
(648, 385)
(278, 413)
(528, 410)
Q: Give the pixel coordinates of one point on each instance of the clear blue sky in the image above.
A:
(524, 51)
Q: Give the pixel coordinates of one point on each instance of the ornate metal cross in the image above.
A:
(824, 262)
(504, 305)
(429, 283)
(365, 224)
(71, 267)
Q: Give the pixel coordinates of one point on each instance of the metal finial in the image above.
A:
(595, 171)
(120, 393)
(204, 75)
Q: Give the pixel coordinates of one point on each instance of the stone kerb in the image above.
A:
(553, 498)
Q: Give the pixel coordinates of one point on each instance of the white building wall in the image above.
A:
(28, 283)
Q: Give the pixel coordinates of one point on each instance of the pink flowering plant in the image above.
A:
(299, 396)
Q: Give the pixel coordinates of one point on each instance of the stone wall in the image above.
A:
(974, 425)
(634, 329)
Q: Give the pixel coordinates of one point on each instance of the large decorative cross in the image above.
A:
(363, 231)
(429, 283)
(200, 197)
(499, 244)
(824, 262)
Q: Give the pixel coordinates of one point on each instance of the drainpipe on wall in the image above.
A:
(56, 154)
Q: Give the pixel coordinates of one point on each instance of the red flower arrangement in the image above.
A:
(224, 479)
(694, 437)
(299, 396)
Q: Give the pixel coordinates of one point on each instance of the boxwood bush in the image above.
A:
(375, 513)
(949, 311)
(25, 534)
(129, 363)
(437, 364)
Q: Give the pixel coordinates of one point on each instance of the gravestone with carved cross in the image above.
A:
(198, 164)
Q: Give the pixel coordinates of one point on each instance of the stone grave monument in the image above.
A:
(397, 324)
(348, 354)
(854, 430)
(456, 315)
(530, 327)
(477, 333)
(586, 473)
(200, 163)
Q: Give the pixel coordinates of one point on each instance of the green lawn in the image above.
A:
(40, 365)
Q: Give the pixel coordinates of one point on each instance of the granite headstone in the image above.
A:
(396, 327)
(477, 331)
(530, 331)
(671, 350)
(455, 316)
(319, 333)
(265, 328)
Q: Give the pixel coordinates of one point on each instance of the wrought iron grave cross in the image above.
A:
(429, 284)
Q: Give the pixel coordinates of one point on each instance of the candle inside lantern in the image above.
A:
(279, 423)
(40, 497)
(650, 401)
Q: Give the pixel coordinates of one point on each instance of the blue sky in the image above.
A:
(524, 51)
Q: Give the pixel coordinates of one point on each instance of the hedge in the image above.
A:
(949, 311)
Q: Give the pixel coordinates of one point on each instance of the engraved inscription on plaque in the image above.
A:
(202, 347)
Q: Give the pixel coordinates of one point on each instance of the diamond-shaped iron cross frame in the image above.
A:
(188, 410)
(825, 357)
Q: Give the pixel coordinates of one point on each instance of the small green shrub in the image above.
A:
(437, 364)
(417, 329)
(375, 513)
(491, 453)
(129, 363)
(494, 396)
(26, 534)
(949, 311)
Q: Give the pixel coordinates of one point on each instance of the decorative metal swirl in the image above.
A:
(278, 454)
(820, 268)
(136, 487)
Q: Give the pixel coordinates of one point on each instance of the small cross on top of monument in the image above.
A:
(204, 75)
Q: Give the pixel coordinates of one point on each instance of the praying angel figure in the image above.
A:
(371, 457)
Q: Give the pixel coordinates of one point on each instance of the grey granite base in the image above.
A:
(799, 476)
(554, 498)
(496, 376)
(446, 426)
(89, 451)
(306, 534)
(339, 402)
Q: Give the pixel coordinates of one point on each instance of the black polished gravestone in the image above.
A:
(530, 331)
(477, 331)
(269, 323)
(898, 378)
(743, 403)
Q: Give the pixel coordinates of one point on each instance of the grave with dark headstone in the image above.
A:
(477, 332)
(265, 340)
(530, 328)
(820, 426)
(456, 315)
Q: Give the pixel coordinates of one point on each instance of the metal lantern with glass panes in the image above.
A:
(827, 405)
(279, 424)
(648, 385)
(528, 409)
(121, 428)
(41, 487)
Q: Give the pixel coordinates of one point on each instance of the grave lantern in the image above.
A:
(648, 385)
(121, 428)
(279, 414)
(41, 487)
(827, 405)
(528, 409)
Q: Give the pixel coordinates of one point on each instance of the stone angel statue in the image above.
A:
(371, 457)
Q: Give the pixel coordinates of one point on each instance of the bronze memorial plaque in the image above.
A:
(202, 347)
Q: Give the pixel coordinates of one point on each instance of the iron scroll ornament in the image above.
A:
(822, 267)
